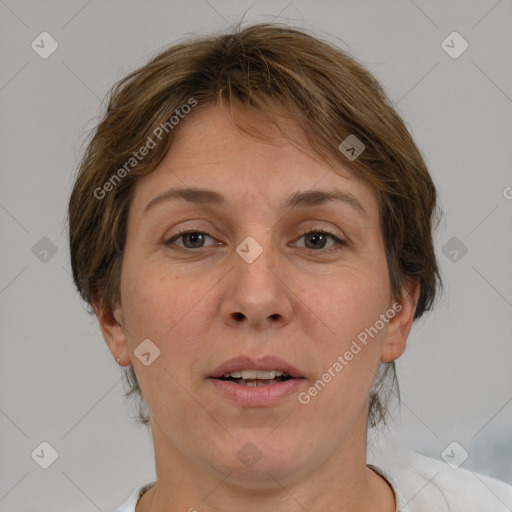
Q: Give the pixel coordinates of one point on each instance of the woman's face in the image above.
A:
(248, 282)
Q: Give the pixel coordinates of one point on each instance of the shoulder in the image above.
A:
(129, 505)
(431, 485)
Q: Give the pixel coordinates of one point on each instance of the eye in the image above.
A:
(191, 239)
(316, 239)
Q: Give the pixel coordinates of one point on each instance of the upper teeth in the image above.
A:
(255, 374)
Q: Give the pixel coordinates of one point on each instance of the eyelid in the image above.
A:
(339, 242)
(183, 231)
(318, 229)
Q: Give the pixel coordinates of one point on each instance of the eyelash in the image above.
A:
(339, 243)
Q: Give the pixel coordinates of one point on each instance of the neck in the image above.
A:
(339, 481)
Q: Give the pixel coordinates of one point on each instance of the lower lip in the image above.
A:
(257, 396)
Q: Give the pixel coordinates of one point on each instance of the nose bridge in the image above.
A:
(255, 261)
(256, 292)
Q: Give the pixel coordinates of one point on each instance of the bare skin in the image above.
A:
(303, 299)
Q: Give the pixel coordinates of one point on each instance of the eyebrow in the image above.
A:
(295, 200)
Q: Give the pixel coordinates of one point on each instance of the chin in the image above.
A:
(258, 460)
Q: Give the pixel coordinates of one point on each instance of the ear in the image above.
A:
(111, 326)
(399, 326)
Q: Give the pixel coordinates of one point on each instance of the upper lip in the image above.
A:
(262, 363)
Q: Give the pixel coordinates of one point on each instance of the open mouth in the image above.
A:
(254, 378)
(263, 382)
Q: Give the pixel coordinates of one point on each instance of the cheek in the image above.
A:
(165, 307)
(151, 302)
(164, 310)
(354, 314)
(350, 309)
(347, 304)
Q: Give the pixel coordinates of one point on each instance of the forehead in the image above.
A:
(210, 151)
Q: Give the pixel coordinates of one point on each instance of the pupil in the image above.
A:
(194, 238)
(315, 237)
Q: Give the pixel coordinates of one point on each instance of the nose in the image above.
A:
(257, 294)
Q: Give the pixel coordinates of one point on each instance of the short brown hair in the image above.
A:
(275, 70)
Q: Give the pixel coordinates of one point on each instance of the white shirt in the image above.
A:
(423, 484)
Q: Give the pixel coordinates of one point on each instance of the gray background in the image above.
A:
(59, 383)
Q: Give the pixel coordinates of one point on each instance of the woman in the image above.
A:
(252, 226)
